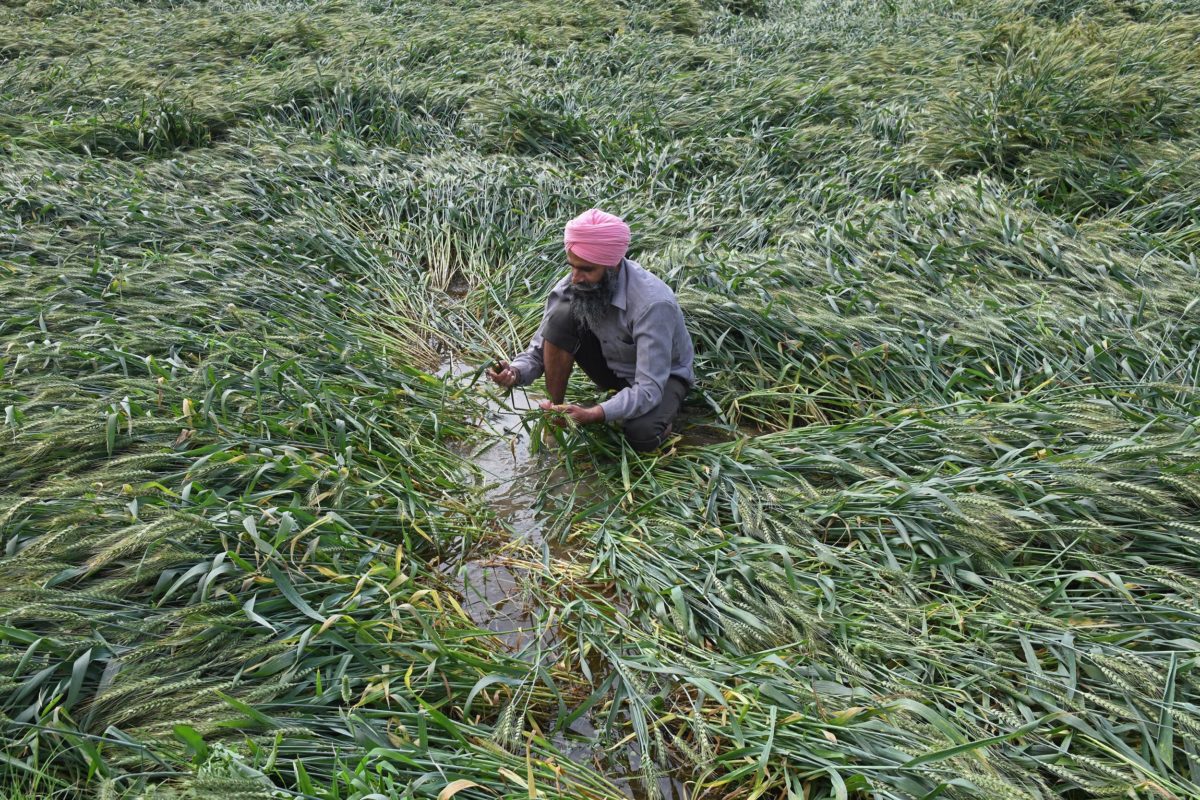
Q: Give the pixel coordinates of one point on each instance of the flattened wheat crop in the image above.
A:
(932, 525)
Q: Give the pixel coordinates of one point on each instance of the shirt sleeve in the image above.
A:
(530, 363)
(652, 335)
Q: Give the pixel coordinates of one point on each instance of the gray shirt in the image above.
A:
(643, 339)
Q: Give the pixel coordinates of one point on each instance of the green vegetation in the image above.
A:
(939, 263)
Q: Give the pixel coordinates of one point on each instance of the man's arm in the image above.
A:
(530, 364)
(652, 334)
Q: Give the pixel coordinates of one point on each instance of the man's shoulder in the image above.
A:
(648, 287)
(560, 286)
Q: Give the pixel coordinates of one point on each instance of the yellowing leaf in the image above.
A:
(847, 714)
(514, 777)
(454, 787)
(529, 775)
(458, 608)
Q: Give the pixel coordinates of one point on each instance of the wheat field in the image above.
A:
(932, 525)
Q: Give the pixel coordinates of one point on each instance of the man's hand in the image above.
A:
(581, 415)
(503, 374)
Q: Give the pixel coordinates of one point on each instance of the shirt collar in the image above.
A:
(619, 294)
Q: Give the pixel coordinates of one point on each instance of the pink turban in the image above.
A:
(597, 237)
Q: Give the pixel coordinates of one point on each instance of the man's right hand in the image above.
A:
(503, 374)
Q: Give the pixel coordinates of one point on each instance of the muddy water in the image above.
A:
(494, 585)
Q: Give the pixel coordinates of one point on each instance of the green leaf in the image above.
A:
(969, 747)
(194, 741)
(248, 608)
(289, 591)
(765, 756)
(1166, 723)
(78, 671)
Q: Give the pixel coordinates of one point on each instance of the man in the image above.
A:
(621, 324)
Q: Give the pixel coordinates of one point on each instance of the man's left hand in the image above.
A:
(581, 415)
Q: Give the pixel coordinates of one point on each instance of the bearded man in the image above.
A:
(621, 324)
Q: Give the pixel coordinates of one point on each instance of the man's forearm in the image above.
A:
(528, 367)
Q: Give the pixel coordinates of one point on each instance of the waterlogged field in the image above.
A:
(933, 524)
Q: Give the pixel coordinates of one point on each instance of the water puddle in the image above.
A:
(493, 586)
(583, 743)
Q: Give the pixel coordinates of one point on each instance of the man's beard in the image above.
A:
(589, 304)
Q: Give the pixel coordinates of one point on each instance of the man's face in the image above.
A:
(585, 273)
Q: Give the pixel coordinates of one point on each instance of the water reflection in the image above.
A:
(493, 586)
